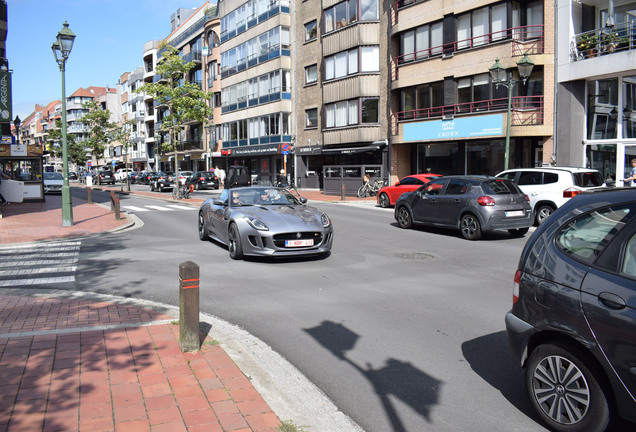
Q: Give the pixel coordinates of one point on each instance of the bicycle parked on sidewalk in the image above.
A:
(180, 192)
(370, 189)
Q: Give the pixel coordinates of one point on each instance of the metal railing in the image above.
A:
(603, 41)
(526, 111)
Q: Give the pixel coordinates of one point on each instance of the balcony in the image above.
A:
(525, 40)
(194, 56)
(603, 41)
(526, 111)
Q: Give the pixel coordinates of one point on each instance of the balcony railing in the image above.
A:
(527, 39)
(603, 41)
(526, 111)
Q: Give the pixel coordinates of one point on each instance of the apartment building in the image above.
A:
(136, 114)
(343, 81)
(596, 96)
(189, 35)
(256, 85)
(447, 114)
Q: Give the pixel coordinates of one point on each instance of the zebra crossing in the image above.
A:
(167, 207)
(42, 265)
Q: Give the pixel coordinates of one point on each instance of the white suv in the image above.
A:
(121, 173)
(550, 187)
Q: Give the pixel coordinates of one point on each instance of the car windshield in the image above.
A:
(53, 176)
(262, 197)
(500, 187)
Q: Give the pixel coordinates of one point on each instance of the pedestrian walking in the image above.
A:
(632, 175)
(220, 173)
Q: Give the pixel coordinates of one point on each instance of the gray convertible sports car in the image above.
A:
(265, 221)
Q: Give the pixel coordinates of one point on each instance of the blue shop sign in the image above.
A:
(464, 127)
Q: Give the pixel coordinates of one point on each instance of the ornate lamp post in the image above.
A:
(502, 77)
(16, 125)
(61, 49)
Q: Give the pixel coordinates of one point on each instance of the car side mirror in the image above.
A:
(302, 200)
(219, 202)
(396, 184)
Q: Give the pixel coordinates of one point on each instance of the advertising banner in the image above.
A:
(463, 127)
(5, 96)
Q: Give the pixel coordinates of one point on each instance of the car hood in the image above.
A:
(282, 216)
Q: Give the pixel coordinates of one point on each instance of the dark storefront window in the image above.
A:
(602, 109)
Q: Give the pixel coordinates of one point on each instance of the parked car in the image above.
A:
(72, 175)
(183, 176)
(133, 176)
(161, 181)
(550, 187)
(121, 173)
(53, 182)
(265, 221)
(472, 204)
(144, 177)
(202, 180)
(572, 325)
(106, 177)
(237, 176)
(388, 195)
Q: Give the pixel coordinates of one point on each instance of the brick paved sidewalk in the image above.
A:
(80, 365)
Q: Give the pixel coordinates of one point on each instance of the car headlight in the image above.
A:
(257, 224)
(325, 220)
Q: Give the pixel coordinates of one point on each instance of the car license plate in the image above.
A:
(299, 243)
(515, 213)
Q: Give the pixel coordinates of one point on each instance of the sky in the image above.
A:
(110, 35)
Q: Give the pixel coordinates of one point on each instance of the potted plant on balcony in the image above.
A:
(587, 45)
(612, 41)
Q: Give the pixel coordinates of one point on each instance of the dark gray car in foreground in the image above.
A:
(265, 221)
(472, 204)
(572, 325)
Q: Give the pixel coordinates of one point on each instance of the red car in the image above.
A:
(389, 194)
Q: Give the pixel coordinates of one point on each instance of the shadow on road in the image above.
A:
(397, 378)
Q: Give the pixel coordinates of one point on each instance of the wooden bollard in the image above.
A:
(343, 192)
(114, 204)
(189, 307)
(88, 195)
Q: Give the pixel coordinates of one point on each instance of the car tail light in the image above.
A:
(571, 192)
(486, 200)
(201, 179)
(515, 287)
(527, 198)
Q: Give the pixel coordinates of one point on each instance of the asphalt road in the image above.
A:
(402, 329)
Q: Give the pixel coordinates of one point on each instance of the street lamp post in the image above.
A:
(16, 125)
(61, 49)
(502, 77)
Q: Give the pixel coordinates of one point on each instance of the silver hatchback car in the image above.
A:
(472, 204)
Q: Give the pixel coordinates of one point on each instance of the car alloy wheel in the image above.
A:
(543, 213)
(235, 248)
(203, 234)
(564, 391)
(404, 218)
(384, 200)
(470, 227)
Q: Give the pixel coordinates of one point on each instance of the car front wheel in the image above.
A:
(470, 227)
(384, 200)
(564, 391)
(235, 247)
(404, 218)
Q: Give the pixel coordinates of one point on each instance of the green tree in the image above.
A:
(185, 100)
(76, 150)
(101, 129)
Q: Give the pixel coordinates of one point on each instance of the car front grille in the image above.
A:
(279, 239)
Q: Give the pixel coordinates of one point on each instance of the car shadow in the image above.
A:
(489, 357)
(496, 235)
(276, 259)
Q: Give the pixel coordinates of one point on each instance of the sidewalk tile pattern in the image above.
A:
(126, 379)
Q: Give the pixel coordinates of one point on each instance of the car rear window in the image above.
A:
(588, 179)
(585, 237)
(500, 187)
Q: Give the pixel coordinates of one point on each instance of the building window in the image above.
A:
(311, 118)
(347, 62)
(311, 74)
(602, 109)
(481, 26)
(352, 112)
(421, 43)
(311, 31)
(414, 101)
(346, 12)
